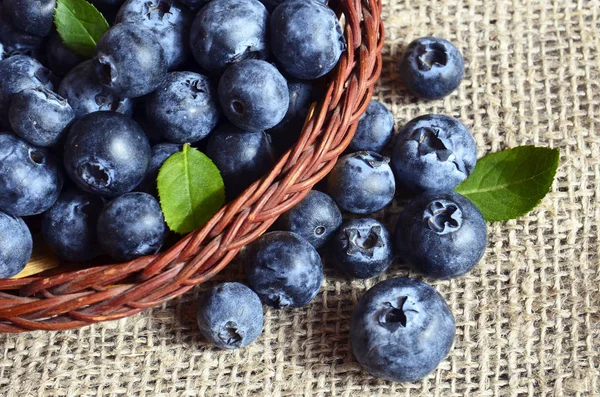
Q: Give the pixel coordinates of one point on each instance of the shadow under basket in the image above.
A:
(74, 298)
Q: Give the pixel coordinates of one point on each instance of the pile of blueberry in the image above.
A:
(82, 140)
(401, 328)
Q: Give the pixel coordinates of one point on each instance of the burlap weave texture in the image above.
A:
(528, 320)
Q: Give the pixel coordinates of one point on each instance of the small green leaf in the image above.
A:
(80, 25)
(508, 184)
(191, 190)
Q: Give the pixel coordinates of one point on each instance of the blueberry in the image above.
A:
(362, 182)
(230, 316)
(308, 40)
(375, 129)
(40, 116)
(433, 152)
(184, 108)
(443, 235)
(254, 95)
(131, 226)
(107, 153)
(86, 94)
(160, 153)
(69, 227)
(16, 42)
(30, 177)
(363, 248)
(35, 17)
(241, 156)
(316, 218)
(16, 245)
(431, 67)
(19, 73)
(61, 60)
(284, 270)
(228, 31)
(167, 19)
(130, 60)
(401, 330)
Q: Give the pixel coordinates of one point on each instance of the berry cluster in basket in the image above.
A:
(82, 140)
(401, 328)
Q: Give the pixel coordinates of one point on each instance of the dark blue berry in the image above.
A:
(316, 218)
(19, 73)
(131, 226)
(242, 157)
(307, 38)
(254, 95)
(16, 245)
(160, 153)
(166, 19)
(14, 41)
(69, 227)
(40, 116)
(362, 182)
(228, 31)
(61, 60)
(86, 94)
(433, 152)
(230, 316)
(363, 248)
(130, 60)
(443, 235)
(30, 177)
(431, 67)
(184, 108)
(401, 330)
(284, 269)
(375, 129)
(107, 153)
(35, 17)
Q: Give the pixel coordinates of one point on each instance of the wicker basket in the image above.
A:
(75, 298)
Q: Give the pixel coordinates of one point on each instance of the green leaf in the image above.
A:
(80, 25)
(191, 190)
(508, 184)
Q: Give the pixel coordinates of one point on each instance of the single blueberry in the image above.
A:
(131, 226)
(401, 330)
(254, 95)
(18, 73)
(86, 94)
(443, 235)
(431, 67)
(242, 157)
(40, 116)
(165, 18)
(307, 38)
(433, 152)
(107, 153)
(160, 153)
(284, 269)
(61, 60)
(16, 245)
(130, 60)
(69, 227)
(362, 182)
(35, 17)
(14, 41)
(363, 248)
(184, 108)
(30, 177)
(316, 218)
(230, 316)
(228, 31)
(375, 129)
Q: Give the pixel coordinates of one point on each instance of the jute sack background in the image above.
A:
(528, 320)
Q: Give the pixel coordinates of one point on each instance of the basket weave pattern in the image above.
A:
(78, 298)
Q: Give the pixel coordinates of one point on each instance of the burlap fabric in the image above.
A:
(528, 320)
